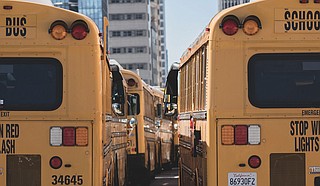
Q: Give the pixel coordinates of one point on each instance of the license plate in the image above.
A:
(242, 179)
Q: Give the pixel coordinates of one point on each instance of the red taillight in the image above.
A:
(69, 136)
(304, 1)
(79, 30)
(241, 135)
(316, 1)
(55, 162)
(254, 161)
(230, 25)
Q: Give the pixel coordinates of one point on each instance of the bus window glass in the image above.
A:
(284, 80)
(30, 84)
(133, 103)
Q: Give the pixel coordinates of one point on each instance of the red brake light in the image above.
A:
(241, 135)
(79, 30)
(304, 1)
(230, 25)
(55, 162)
(69, 136)
(254, 162)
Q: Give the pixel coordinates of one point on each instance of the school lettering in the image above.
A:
(306, 135)
(8, 135)
(304, 20)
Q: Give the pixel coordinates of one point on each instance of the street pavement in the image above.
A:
(166, 178)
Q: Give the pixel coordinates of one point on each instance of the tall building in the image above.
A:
(137, 34)
(223, 4)
(163, 45)
(135, 37)
(95, 9)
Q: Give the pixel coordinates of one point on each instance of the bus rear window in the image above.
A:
(30, 84)
(284, 80)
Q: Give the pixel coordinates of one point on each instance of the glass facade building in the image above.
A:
(223, 4)
(95, 9)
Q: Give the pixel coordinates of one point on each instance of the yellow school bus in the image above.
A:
(142, 136)
(249, 97)
(55, 98)
(119, 123)
(165, 133)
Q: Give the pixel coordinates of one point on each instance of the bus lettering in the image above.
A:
(306, 144)
(12, 130)
(5, 114)
(8, 146)
(298, 127)
(302, 20)
(8, 134)
(15, 26)
(315, 127)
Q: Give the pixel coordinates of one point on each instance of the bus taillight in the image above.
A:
(254, 161)
(79, 29)
(251, 25)
(69, 136)
(240, 135)
(58, 30)
(304, 1)
(55, 162)
(82, 136)
(230, 25)
(55, 136)
(254, 134)
(227, 133)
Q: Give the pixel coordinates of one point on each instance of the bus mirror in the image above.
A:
(133, 123)
(159, 110)
(116, 107)
(170, 109)
(158, 123)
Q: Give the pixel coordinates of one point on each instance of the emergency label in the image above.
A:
(8, 135)
(306, 135)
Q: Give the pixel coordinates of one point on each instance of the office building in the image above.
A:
(223, 4)
(137, 37)
(95, 9)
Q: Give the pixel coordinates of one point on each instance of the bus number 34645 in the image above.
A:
(67, 180)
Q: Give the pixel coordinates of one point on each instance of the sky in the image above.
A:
(185, 20)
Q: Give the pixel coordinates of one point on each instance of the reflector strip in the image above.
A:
(227, 135)
(254, 134)
(55, 136)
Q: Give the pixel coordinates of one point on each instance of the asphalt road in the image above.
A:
(166, 178)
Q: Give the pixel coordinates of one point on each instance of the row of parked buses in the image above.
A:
(68, 116)
(248, 98)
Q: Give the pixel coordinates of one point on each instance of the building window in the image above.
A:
(131, 50)
(115, 34)
(134, 16)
